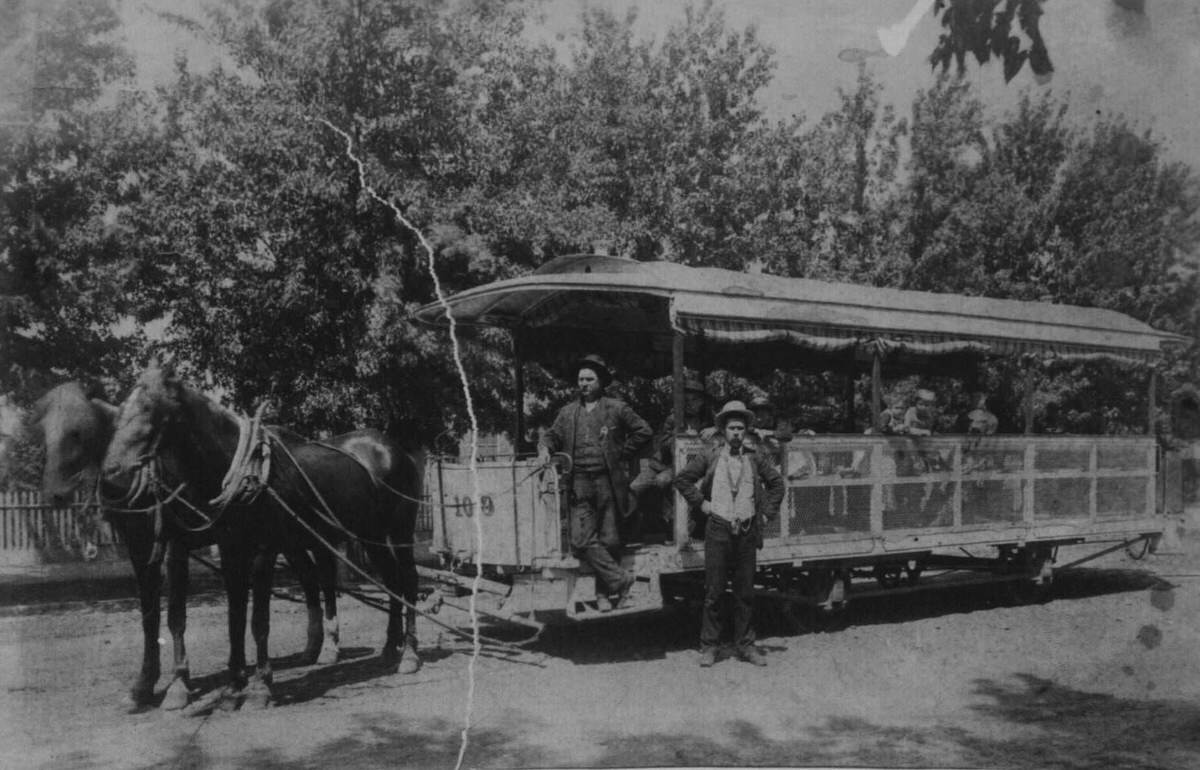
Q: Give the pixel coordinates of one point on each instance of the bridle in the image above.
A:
(149, 480)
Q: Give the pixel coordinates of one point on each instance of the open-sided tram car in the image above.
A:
(857, 506)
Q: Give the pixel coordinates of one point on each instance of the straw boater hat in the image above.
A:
(693, 385)
(734, 409)
(597, 365)
(926, 395)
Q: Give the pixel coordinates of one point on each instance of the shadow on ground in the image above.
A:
(654, 635)
(1042, 725)
(376, 740)
(1030, 723)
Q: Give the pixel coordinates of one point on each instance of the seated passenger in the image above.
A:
(981, 420)
(922, 419)
(773, 433)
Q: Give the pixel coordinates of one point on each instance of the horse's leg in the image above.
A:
(410, 662)
(149, 582)
(306, 572)
(177, 591)
(399, 577)
(235, 563)
(258, 694)
(326, 567)
(386, 567)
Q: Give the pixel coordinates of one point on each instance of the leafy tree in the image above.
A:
(1027, 207)
(1009, 30)
(66, 172)
(820, 201)
(288, 279)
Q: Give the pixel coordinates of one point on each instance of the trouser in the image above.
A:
(726, 548)
(594, 537)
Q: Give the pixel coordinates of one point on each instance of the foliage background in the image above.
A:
(223, 210)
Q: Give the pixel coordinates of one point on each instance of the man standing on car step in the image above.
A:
(601, 435)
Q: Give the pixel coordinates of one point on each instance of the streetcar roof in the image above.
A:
(599, 303)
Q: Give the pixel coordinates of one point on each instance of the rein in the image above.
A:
(149, 480)
(396, 597)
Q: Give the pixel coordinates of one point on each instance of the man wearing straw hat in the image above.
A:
(601, 435)
(738, 487)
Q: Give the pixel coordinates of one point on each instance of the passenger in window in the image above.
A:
(980, 420)
(891, 419)
(651, 488)
(922, 419)
(771, 432)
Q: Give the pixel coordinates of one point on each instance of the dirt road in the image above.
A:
(1107, 674)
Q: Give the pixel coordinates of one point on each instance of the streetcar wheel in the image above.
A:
(889, 575)
(831, 620)
(1037, 585)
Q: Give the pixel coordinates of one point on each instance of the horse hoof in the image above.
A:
(328, 656)
(138, 698)
(177, 695)
(257, 697)
(410, 662)
(230, 697)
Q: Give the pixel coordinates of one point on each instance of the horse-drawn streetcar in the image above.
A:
(861, 512)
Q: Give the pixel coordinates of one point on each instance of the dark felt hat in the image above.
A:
(597, 365)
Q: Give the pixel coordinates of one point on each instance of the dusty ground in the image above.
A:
(1107, 674)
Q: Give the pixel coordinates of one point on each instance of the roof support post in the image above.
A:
(848, 395)
(1028, 399)
(677, 375)
(1151, 397)
(876, 388)
(681, 510)
(518, 352)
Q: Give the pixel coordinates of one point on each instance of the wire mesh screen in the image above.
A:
(1064, 498)
(1063, 458)
(918, 505)
(828, 509)
(978, 460)
(1121, 458)
(993, 501)
(1120, 498)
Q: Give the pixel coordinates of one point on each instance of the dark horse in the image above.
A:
(358, 486)
(76, 431)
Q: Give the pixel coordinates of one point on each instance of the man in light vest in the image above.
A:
(737, 486)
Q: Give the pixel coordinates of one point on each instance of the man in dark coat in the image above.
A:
(601, 435)
(735, 483)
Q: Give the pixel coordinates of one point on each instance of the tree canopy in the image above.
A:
(228, 209)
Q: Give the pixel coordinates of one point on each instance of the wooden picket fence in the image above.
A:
(28, 523)
(34, 531)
